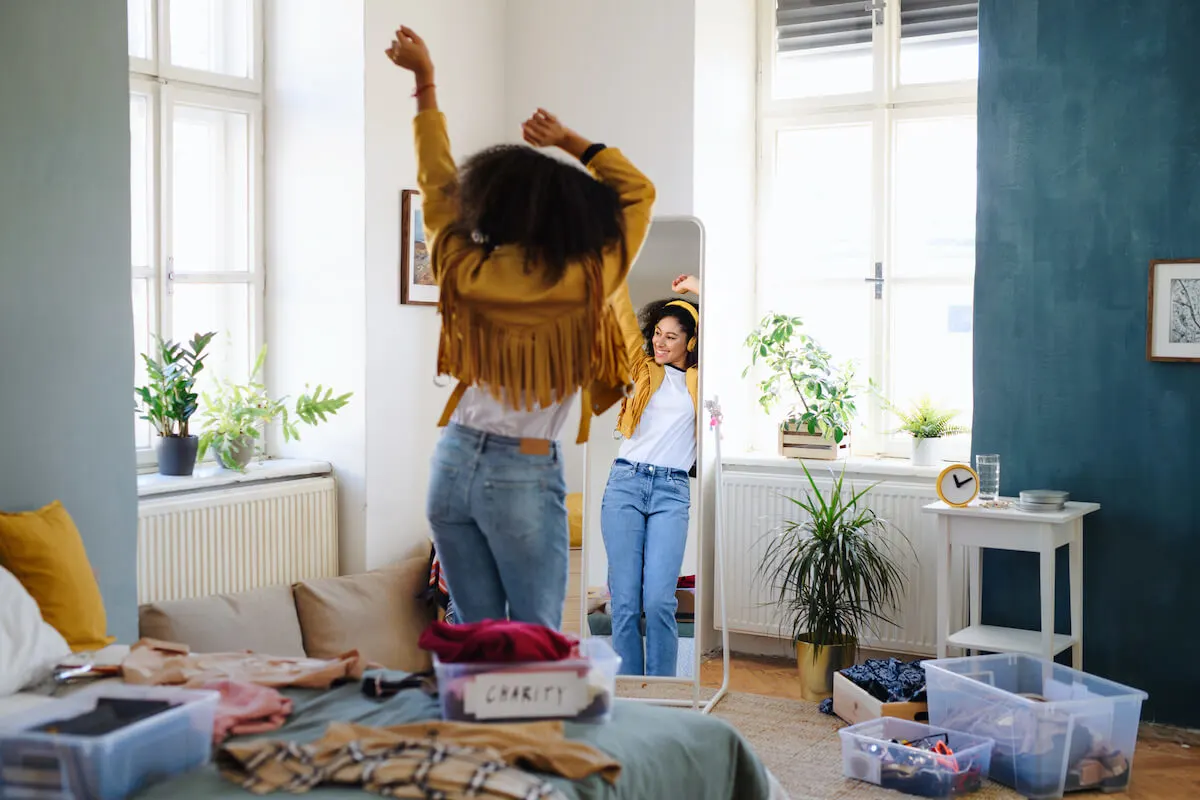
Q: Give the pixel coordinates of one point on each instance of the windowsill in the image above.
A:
(210, 476)
(855, 465)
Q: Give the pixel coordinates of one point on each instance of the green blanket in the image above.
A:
(664, 752)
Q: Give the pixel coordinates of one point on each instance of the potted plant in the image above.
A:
(169, 400)
(926, 424)
(820, 395)
(834, 574)
(233, 416)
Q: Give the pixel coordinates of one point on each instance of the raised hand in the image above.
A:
(544, 130)
(408, 51)
(685, 284)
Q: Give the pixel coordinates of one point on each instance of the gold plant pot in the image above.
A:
(818, 663)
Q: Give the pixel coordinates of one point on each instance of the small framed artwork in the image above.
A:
(1173, 311)
(417, 287)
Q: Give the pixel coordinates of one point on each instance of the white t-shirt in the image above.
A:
(666, 433)
(479, 410)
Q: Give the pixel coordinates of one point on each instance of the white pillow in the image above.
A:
(29, 646)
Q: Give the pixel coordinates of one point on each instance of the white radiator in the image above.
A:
(237, 538)
(755, 504)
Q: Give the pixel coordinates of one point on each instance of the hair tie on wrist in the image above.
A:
(422, 88)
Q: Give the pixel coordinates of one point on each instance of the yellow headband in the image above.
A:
(691, 309)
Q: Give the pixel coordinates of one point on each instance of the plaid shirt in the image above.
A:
(419, 769)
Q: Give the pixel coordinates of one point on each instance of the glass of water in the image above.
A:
(988, 467)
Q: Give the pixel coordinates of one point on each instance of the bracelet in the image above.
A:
(422, 88)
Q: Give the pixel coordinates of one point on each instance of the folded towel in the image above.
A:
(247, 708)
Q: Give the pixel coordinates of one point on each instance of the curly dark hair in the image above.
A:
(653, 313)
(554, 211)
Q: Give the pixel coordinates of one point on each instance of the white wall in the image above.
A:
(617, 71)
(466, 38)
(724, 199)
(316, 287)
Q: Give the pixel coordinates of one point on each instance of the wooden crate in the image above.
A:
(855, 704)
(798, 444)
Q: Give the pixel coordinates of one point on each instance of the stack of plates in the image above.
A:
(1043, 500)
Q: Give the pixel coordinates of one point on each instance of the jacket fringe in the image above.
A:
(528, 366)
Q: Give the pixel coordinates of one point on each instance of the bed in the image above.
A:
(664, 752)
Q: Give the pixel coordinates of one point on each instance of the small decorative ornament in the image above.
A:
(957, 485)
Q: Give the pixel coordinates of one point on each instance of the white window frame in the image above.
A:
(166, 87)
(887, 102)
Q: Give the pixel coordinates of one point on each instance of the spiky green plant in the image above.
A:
(833, 568)
(234, 414)
(924, 420)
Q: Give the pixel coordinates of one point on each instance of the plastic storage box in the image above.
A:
(37, 764)
(1056, 729)
(874, 752)
(580, 689)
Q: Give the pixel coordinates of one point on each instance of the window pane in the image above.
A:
(140, 29)
(221, 307)
(210, 190)
(822, 48)
(213, 36)
(934, 196)
(939, 41)
(141, 344)
(819, 223)
(930, 352)
(141, 168)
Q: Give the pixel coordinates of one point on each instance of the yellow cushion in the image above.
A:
(575, 518)
(44, 550)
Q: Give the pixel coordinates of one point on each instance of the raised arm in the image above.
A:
(437, 173)
(609, 165)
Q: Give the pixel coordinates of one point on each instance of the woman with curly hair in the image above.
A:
(644, 514)
(530, 255)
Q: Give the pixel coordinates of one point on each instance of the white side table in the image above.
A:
(976, 528)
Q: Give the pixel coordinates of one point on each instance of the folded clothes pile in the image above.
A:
(887, 680)
(509, 648)
(496, 642)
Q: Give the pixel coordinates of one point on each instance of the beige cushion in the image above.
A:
(376, 613)
(262, 620)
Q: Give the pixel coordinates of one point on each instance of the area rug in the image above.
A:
(798, 743)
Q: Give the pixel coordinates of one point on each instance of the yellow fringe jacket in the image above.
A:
(503, 328)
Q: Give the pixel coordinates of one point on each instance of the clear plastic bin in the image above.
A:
(580, 689)
(870, 753)
(37, 764)
(1057, 729)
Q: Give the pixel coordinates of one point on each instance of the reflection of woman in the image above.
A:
(528, 252)
(644, 515)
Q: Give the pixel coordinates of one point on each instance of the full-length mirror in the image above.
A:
(641, 488)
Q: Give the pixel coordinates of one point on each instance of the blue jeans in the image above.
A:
(499, 520)
(644, 521)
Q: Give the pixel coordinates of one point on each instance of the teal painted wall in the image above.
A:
(1089, 167)
(66, 319)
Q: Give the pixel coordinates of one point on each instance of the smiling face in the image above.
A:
(670, 343)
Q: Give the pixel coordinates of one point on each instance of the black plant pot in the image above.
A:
(177, 454)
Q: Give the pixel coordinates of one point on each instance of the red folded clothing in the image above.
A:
(246, 708)
(495, 641)
(686, 582)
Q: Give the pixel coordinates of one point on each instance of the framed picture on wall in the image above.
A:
(417, 287)
(1173, 311)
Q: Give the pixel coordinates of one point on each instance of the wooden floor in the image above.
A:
(1166, 765)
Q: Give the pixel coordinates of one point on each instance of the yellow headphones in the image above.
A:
(691, 309)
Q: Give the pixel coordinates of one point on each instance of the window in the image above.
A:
(195, 124)
(867, 193)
